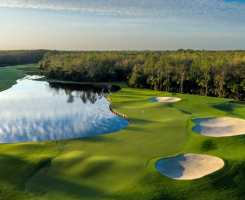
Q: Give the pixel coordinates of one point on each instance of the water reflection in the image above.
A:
(86, 92)
(40, 111)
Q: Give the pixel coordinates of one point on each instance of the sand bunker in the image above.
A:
(189, 166)
(219, 127)
(164, 99)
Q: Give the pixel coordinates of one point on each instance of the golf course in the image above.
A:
(122, 165)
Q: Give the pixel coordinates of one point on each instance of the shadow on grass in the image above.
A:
(38, 167)
(169, 105)
(139, 120)
(233, 182)
(95, 139)
(185, 112)
(20, 174)
(225, 106)
(209, 145)
(44, 184)
(16, 172)
(238, 102)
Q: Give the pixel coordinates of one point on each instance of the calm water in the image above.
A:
(33, 111)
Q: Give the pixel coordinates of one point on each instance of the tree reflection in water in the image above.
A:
(40, 111)
(86, 92)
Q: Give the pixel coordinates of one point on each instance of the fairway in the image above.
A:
(121, 165)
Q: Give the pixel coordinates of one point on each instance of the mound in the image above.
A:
(164, 99)
(219, 127)
(189, 166)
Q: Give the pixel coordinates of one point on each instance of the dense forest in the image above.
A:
(17, 57)
(210, 73)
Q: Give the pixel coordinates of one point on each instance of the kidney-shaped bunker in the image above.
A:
(219, 126)
(188, 166)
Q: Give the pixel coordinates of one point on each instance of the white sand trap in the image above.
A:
(164, 99)
(189, 166)
(219, 127)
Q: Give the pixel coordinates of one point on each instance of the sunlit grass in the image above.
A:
(121, 165)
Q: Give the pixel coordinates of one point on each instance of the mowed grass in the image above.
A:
(96, 167)
(19, 162)
(121, 165)
(227, 183)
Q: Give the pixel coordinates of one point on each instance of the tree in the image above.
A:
(205, 68)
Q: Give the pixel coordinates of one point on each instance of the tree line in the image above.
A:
(210, 73)
(90, 66)
(17, 57)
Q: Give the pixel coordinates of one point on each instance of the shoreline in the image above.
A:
(117, 113)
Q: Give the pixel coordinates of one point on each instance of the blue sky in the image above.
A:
(122, 24)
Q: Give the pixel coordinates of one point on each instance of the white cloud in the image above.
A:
(168, 10)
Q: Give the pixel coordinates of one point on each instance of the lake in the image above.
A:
(34, 111)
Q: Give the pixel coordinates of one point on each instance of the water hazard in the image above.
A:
(33, 111)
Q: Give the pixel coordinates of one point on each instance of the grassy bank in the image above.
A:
(19, 162)
(9, 75)
(121, 165)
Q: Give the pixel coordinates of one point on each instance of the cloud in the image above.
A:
(167, 10)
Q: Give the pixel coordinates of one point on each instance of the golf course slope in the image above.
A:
(219, 126)
(122, 165)
(188, 166)
(164, 99)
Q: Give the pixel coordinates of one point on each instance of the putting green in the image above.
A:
(121, 165)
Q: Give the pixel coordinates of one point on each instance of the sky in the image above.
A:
(122, 24)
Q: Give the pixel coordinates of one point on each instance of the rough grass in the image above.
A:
(121, 165)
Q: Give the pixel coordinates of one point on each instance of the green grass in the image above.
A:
(31, 69)
(9, 75)
(121, 165)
